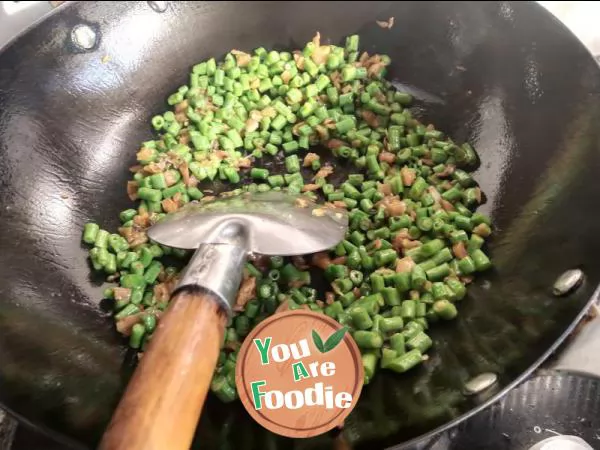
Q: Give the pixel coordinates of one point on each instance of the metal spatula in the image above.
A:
(162, 404)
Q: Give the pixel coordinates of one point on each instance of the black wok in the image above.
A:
(505, 76)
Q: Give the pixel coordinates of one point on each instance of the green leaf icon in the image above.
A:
(334, 340)
(331, 343)
(318, 341)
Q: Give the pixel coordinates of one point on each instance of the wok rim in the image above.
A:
(34, 24)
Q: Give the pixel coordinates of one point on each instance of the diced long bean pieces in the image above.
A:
(414, 240)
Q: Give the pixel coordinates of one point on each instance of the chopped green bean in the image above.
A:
(438, 273)
(369, 362)
(411, 330)
(391, 296)
(406, 362)
(101, 240)
(445, 310)
(391, 324)
(480, 259)
(137, 334)
(243, 123)
(397, 343)
(90, 232)
(368, 339)
(361, 319)
(421, 342)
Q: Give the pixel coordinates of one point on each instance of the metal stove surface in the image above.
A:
(548, 405)
(562, 398)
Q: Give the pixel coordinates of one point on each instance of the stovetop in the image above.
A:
(562, 398)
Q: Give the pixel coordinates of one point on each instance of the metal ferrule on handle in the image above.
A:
(218, 267)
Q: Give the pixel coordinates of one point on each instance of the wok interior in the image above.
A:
(70, 122)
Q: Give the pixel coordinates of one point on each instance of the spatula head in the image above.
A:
(273, 223)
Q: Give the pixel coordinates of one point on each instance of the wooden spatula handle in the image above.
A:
(161, 406)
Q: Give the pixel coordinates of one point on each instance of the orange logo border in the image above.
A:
(243, 385)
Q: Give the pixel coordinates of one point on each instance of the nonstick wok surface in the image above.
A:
(505, 76)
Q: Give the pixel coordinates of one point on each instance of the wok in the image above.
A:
(505, 76)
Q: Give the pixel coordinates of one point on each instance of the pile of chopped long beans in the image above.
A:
(414, 240)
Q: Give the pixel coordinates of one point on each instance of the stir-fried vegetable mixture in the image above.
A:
(414, 242)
